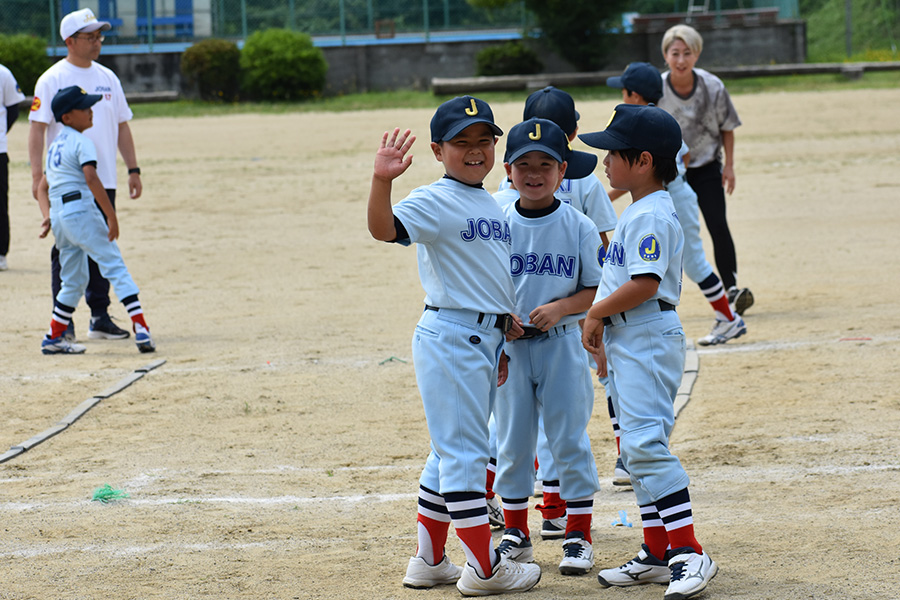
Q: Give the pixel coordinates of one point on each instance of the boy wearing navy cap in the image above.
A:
(556, 269)
(642, 84)
(583, 191)
(66, 197)
(634, 323)
(464, 255)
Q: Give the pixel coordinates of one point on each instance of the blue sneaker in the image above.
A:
(103, 328)
(142, 339)
(60, 345)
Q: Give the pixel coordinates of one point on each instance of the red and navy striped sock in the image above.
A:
(433, 522)
(678, 518)
(59, 322)
(468, 511)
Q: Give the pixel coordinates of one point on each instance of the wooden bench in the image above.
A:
(184, 24)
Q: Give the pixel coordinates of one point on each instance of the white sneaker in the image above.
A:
(644, 568)
(554, 529)
(495, 513)
(722, 331)
(690, 573)
(3, 264)
(421, 575)
(578, 556)
(507, 577)
(60, 345)
(515, 546)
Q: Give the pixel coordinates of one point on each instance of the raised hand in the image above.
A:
(391, 160)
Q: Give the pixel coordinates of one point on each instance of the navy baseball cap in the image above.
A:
(455, 115)
(553, 104)
(642, 78)
(543, 135)
(71, 98)
(645, 128)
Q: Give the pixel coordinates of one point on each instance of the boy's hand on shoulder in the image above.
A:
(391, 160)
(113, 224)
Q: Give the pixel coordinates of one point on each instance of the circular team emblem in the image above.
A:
(601, 255)
(649, 248)
(475, 339)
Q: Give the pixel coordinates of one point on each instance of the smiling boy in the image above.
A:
(555, 265)
(463, 247)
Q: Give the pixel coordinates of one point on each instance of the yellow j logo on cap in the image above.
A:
(536, 135)
(611, 117)
(472, 111)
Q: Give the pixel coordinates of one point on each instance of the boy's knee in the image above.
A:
(644, 445)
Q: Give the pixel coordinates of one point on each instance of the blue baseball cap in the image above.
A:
(543, 135)
(553, 104)
(455, 115)
(70, 98)
(642, 78)
(645, 128)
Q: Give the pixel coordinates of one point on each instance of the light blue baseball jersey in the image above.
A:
(648, 241)
(553, 257)
(463, 246)
(68, 154)
(587, 195)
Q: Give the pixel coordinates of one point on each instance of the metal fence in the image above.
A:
(149, 21)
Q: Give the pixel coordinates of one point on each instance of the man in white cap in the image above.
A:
(83, 35)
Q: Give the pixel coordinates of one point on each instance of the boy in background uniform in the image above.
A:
(634, 323)
(66, 195)
(641, 84)
(556, 269)
(463, 256)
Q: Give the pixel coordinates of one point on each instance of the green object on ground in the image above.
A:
(106, 493)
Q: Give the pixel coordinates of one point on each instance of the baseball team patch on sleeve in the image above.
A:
(649, 248)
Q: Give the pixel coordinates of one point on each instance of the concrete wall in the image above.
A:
(380, 67)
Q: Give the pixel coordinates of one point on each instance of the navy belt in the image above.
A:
(535, 332)
(71, 196)
(663, 306)
(503, 323)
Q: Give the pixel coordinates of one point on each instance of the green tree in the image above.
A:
(579, 30)
(26, 57)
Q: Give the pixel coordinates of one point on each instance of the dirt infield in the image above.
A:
(276, 453)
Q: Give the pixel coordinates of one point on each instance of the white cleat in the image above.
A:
(421, 575)
(722, 331)
(690, 573)
(578, 556)
(507, 577)
(495, 513)
(644, 568)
